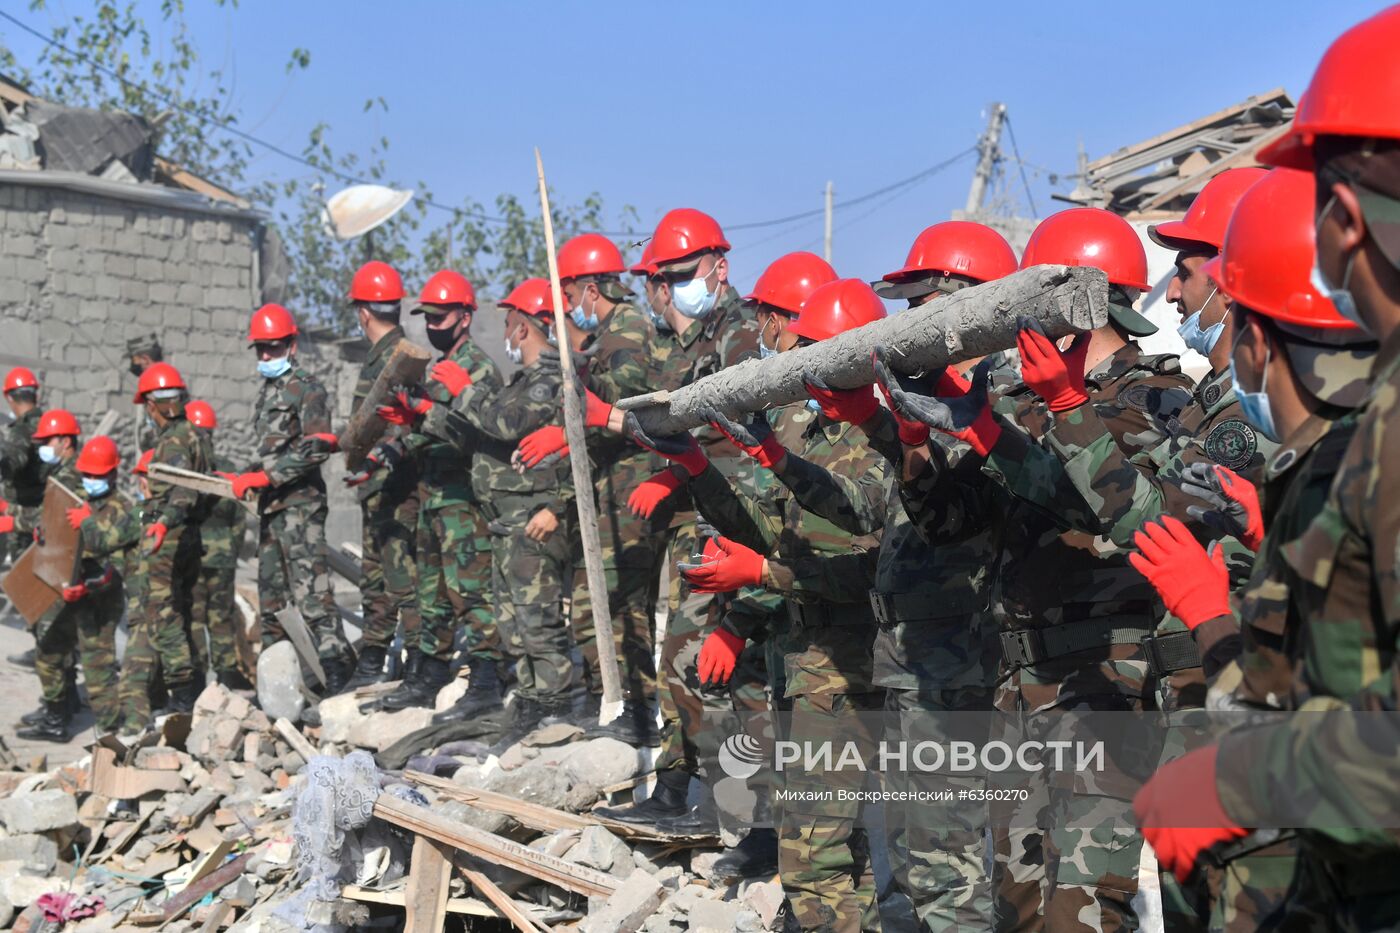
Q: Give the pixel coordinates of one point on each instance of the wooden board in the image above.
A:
(30, 596)
(396, 898)
(502, 901)
(57, 560)
(429, 874)
(300, 636)
(406, 364)
(203, 483)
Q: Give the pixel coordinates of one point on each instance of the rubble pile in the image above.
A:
(229, 819)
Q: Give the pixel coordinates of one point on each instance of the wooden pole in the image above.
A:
(826, 249)
(611, 705)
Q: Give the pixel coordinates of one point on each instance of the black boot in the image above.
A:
(369, 669)
(52, 727)
(337, 671)
(35, 715)
(483, 694)
(23, 659)
(525, 716)
(635, 726)
(183, 695)
(420, 688)
(234, 680)
(754, 858)
(666, 801)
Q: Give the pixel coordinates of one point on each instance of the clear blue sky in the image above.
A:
(744, 110)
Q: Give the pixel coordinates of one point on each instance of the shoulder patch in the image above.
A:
(1231, 443)
(1137, 396)
(1212, 394)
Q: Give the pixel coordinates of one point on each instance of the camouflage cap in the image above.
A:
(1120, 311)
(148, 343)
(1382, 213)
(1334, 365)
(917, 286)
(686, 266)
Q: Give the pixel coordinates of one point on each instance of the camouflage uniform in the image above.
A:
(389, 512)
(108, 536)
(935, 651)
(54, 630)
(454, 543)
(1341, 636)
(23, 474)
(621, 362)
(212, 633)
(527, 577)
(159, 633)
(292, 565)
(1073, 613)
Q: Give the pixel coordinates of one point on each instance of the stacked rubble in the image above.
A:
(229, 819)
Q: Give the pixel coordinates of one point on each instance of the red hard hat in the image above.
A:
(1089, 236)
(376, 281)
(590, 254)
(1354, 92)
(99, 456)
(684, 232)
(1209, 214)
(837, 307)
(201, 415)
(1267, 260)
(531, 296)
(20, 378)
(448, 288)
(157, 376)
(57, 423)
(271, 322)
(789, 280)
(143, 462)
(958, 247)
(647, 264)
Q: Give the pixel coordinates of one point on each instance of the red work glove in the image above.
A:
(330, 440)
(596, 411)
(718, 656)
(1183, 791)
(1054, 376)
(1232, 502)
(652, 492)
(408, 406)
(852, 406)
(71, 594)
(754, 438)
(451, 375)
(243, 483)
(156, 533)
(7, 524)
(1194, 585)
(541, 443)
(4, 507)
(737, 567)
(78, 514)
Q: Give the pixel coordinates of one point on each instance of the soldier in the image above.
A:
(1336, 772)
(292, 422)
(1313, 367)
(823, 856)
(454, 543)
(169, 558)
(92, 605)
(22, 489)
(528, 512)
(620, 349)
(1072, 611)
(142, 352)
(57, 435)
(388, 498)
(212, 632)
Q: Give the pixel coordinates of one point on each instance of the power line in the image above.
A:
(173, 104)
(1021, 167)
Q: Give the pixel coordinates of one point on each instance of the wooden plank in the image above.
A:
(59, 544)
(202, 483)
(222, 911)
(503, 902)
(299, 743)
(343, 562)
(545, 819)
(1231, 111)
(1245, 157)
(406, 364)
(300, 636)
(187, 179)
(30, 596)
(425, 900)
(105, 426)
(497, 849)
(211, 884)
(469, 906)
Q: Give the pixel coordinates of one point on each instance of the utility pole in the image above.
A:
(826, 250)
(988, 155)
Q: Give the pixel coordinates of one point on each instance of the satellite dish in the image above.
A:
(360, 208)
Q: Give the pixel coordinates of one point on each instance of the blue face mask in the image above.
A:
(584, 320)
(765, 352)
(1341, 298)
(47, 454)
(1198, 339)
(274, 369)
(694, 299)
(814, 405)
(1255, 405)
(96, 488)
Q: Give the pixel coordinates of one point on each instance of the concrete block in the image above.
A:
(178, 316)
(39, 812)
(149, 269)
(709, 916)
(188, 294)
(61, 236)
(162, 293)
(38, 853)
(627, 908)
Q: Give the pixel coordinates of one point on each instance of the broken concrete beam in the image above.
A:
(963, 326)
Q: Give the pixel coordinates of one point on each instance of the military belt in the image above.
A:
(1260, 839)
(1167, 654)
(1032, 646)
(893, 608)
(826, 615)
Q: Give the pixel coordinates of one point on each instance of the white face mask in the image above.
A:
(694, 298)
(766, 352)
(1200, 339)
(515, 354)
(1341, 298)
